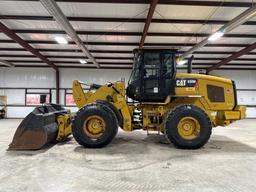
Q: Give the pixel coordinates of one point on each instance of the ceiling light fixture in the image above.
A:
(216, 36)
(82, 61)
(61, 40)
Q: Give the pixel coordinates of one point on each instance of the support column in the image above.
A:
(57, 86)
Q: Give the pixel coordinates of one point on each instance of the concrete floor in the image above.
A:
(134, 162)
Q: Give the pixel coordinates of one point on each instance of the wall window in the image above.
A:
(32, 96)
(34, 99)
(69, 100)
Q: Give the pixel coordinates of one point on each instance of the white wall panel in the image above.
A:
(15, 97)
(243, 79)
(246, 97)
(251, 112)
(28, 77)
(23, 78)
(99, 76)
(62, 97)
(45, 78)
(18, 112)
(54, 96)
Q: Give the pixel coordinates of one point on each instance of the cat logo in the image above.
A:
(181, 82)
(185, 82)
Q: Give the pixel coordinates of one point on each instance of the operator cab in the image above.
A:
(153, 75)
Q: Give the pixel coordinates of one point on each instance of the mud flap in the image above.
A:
(38, 129)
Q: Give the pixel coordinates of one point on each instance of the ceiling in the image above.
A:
(111, 29)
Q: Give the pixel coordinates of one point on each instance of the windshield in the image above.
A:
(152, 65)
(135, 71)
(168, 65)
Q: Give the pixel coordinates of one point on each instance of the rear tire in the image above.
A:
(188, 127)
(95, 125)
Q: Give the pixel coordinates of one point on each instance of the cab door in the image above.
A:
(168, 73)
(158, 75)
(151, 88)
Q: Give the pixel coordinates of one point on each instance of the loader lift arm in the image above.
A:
(111, 93)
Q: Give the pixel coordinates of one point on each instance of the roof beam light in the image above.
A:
(182, 62)
(215, 36)
(61, 40)
(82, 61)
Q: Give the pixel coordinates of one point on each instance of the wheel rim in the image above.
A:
(188, 128)
(94, 126)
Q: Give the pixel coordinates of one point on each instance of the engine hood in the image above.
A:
(205, 77)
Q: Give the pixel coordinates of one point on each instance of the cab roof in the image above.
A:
(155, 49)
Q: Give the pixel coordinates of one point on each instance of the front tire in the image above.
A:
(95, 125)
(188, 127)
(114, 109)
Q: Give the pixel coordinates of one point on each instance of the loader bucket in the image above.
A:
(37, 129)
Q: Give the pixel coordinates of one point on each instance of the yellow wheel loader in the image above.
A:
(182, 106)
